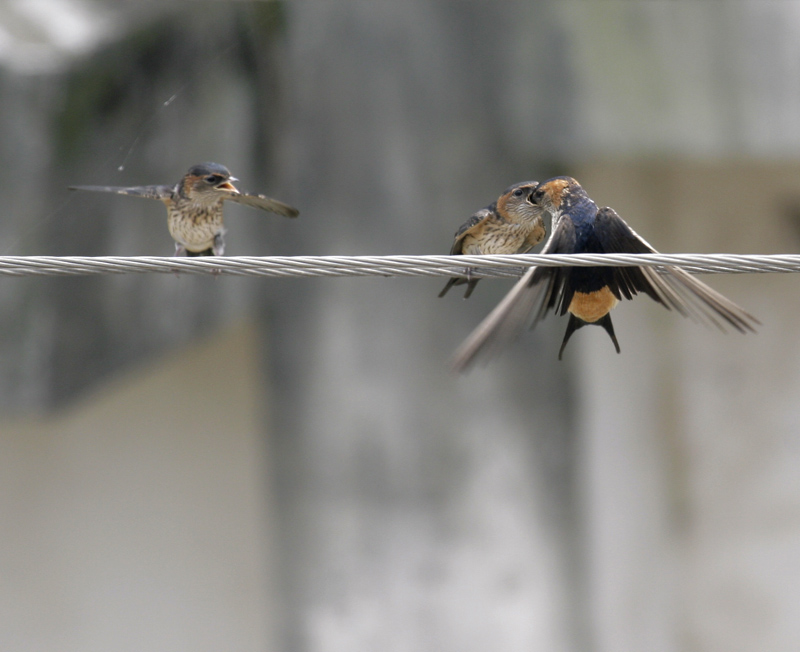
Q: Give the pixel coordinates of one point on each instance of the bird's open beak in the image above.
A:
(227, 186)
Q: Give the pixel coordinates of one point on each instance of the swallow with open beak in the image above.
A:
(194, 206)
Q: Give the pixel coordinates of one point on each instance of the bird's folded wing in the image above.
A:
(470, 226)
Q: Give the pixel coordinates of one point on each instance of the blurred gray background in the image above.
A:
(199, 463)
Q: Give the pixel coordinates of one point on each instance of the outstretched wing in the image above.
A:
(672, 287)
(264, 203)
(149, 192)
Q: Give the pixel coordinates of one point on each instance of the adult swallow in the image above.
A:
(194, 206)
(510, 225)
(589, 294)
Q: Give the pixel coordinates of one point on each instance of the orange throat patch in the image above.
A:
(592, 306)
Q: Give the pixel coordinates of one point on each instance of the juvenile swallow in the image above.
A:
(511, 225)
(194, 207)
(589, 294)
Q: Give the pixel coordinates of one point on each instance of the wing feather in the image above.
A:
(148, 192)
(476, 221)
(536, 292)
(264, 203)
(673, 287)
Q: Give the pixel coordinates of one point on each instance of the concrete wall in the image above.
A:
(138, 518)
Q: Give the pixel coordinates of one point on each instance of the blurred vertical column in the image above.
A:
(419, 510)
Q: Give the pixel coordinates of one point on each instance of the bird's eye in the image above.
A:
(519, 192)
(213, 179)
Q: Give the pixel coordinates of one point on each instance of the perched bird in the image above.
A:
(511, 225)
(589, 294)
(194, 206)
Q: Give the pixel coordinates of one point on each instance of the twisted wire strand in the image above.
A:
(510, 266)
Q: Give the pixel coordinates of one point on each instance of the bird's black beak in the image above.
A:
(540, 198)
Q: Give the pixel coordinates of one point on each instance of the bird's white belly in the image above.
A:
(195, 229)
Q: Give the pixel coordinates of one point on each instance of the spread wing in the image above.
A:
(544, 288)
(537, 289)
(149, 192)
(472, 225)
(264, 203)
(672, 287)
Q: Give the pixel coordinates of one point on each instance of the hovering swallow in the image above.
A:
(511, 225)
(194, 207)
(589, 294)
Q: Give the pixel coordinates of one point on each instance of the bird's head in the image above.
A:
(516, 200)
(557, 194)
(208, 181)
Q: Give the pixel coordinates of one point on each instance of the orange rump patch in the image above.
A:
(592, 306)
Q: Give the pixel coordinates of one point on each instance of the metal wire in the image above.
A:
(312, 266)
